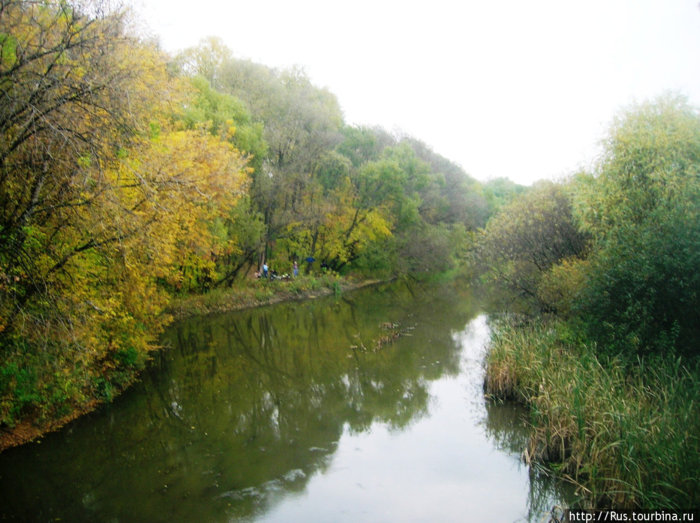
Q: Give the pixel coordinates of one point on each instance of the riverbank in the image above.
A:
(627, 434)
(260, 293)
(251, 294)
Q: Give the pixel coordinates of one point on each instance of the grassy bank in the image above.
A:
(627, 434)
(42, 387)
(257, 293)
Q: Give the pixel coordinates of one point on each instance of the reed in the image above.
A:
(627, 433)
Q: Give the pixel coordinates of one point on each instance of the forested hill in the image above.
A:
(128, 176)
(348, 196)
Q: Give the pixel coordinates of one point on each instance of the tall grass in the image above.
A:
(626, 433)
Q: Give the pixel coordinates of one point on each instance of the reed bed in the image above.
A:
(627, 433)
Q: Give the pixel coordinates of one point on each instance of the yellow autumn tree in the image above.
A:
(76, 90)
(163, 195)
(192, 179)
(100, 200)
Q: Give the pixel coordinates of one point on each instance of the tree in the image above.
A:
(75, 90)
(225, 116)
(530, 236)
(642, 207)
(451, 195)
(364, 144)
(244, 228)
(100, 201)
(500, 191)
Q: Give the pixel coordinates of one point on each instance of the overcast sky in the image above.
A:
(523, 89)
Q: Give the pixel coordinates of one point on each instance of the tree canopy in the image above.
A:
(102, 199)
(642, 208)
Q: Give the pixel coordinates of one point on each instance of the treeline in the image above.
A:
(352, 198)
(128, 177)
(604, 267)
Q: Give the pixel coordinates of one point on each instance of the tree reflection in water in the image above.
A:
(243, 409)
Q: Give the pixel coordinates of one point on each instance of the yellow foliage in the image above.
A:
(102, 200)
(560, 284)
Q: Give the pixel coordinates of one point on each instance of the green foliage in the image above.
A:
(642, 291)
(226, 116)
(527, 239)
(46, 384)
(333, 170)
(450, 195)
(560, 287)
(18, 392)
(8, 50)
(378, 260)
(499, 192)
(129, 358)
(242, 232)
(363, 144)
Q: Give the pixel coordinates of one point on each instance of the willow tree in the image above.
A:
(642, 207)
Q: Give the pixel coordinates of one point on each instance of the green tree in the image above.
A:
(244, 229)
(642, 208)
(227, 117)
(364, 144)
(527, 238)
(451, 196)
(500, 191)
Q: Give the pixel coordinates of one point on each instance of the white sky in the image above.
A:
(518, 88)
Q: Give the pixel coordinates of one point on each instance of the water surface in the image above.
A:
(363, 408)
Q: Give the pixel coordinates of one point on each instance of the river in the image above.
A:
(365, 407)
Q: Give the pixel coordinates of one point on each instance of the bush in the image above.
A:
(18, 392)
(642, 294)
